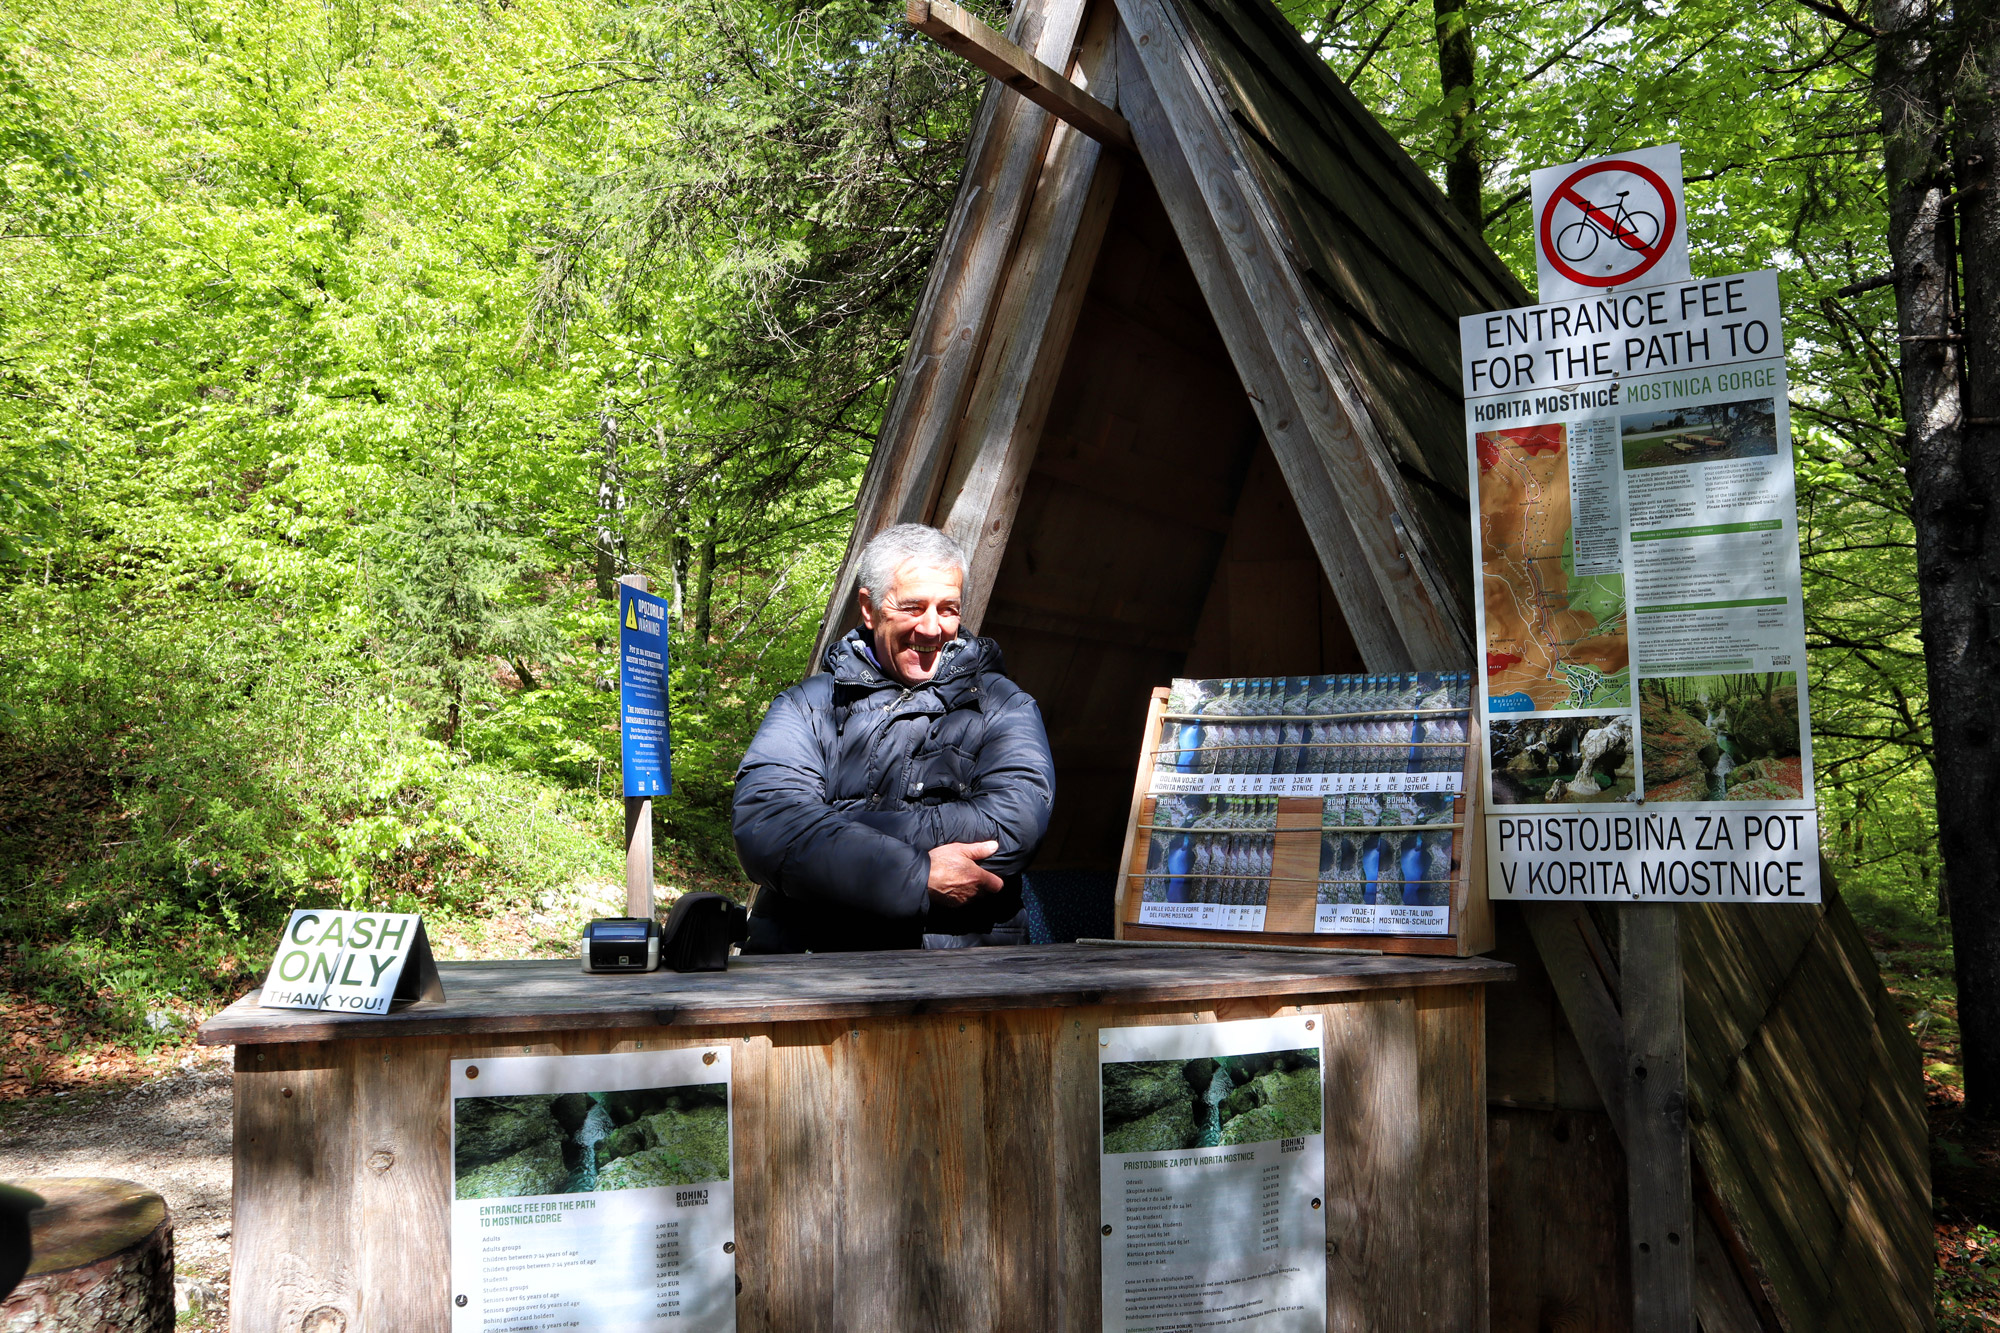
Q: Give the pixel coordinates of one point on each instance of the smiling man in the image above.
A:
(892, 801)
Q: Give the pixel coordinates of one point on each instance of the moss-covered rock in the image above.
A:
(570, 1110)
(1137, 1088)
(681, 1148)
(1766, 726)
(1674, 745)
(1762, 789)
(536, 1169)
(1286, 1104)
(621, 1142)
(488, 1129)
(1170, 1126)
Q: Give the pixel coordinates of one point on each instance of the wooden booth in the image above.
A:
(916, 1134)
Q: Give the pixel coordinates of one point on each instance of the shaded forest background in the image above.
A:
(349, 352)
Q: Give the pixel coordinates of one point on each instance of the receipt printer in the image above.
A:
(621, 944)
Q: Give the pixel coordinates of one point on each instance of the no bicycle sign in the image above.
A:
(1611, 222)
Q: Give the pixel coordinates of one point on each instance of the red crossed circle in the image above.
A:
(1566, 193)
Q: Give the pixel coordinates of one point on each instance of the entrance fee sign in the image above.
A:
(1647, 731)
(1610, 223)
(351, 962)
(593, 1192)
(642, 692)
(1212, 1207)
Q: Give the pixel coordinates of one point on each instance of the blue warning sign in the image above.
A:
(642, 692)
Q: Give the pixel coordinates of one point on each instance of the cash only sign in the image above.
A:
(1646, 729)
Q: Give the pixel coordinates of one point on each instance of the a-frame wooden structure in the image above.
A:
(1192, 410)
(1185, 383)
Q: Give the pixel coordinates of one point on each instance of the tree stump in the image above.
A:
(104, 1260)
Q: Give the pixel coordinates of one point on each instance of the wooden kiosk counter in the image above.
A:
(916, 1134)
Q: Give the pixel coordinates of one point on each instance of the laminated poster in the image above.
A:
(592, 1192)
(1647, 734)
(1214, 1176)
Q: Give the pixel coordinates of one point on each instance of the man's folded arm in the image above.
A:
(1012, 790)
(790, 838)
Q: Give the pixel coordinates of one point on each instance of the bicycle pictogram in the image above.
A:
(1635, 229)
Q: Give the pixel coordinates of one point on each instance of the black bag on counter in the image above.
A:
(699, 931)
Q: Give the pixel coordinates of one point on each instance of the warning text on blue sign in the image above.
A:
(642, 691)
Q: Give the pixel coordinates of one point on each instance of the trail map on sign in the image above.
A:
(1554, 592)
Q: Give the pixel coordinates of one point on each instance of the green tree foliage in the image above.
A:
(344, 350)
(349, 353)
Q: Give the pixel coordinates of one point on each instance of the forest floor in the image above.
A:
(161, 1116)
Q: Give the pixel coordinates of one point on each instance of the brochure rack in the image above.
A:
(1304, 872)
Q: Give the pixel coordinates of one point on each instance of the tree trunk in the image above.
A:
(1954, 477)
(704, 588)
(610, 500)
(680, 564)
(1965, 669)
(1461, 172)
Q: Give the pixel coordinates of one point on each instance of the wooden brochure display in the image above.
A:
(1293, 896)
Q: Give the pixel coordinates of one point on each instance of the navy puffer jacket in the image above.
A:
(854, 777)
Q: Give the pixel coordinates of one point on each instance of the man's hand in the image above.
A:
(956, 875)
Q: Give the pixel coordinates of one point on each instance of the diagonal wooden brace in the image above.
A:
(963, 33)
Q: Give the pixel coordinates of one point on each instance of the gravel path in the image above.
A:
(171, 1135)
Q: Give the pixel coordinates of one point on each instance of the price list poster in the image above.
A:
(1213, 1176)
(1647, 730)
(593, 1192)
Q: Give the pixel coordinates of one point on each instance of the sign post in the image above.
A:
(642, 695)
(1648, 736)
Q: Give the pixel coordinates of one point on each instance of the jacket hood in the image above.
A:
(849, 661)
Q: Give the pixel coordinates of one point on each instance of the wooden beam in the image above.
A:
(1033, 324)
(957, 30)
(955, 317)
(1659, 1192)
(1589, 986)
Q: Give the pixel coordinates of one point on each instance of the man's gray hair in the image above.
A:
(892, 548)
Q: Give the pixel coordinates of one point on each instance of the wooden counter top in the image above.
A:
(553, 996)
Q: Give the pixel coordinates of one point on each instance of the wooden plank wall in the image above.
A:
(1389, 266)
(1122, 520)
(1806, 1114)
(937, 1172)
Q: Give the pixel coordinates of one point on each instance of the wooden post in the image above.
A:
(1660, 1197)
(638, 822)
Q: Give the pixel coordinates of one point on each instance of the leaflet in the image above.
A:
(1213, 1176)
(592, 1192)
(1647, 732)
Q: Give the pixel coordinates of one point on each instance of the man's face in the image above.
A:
(913, 620)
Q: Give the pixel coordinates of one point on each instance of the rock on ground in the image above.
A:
(536, 1169)
(1279, 1105)
(1138, 1087)
(1171, 1126)
(493, 1129)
